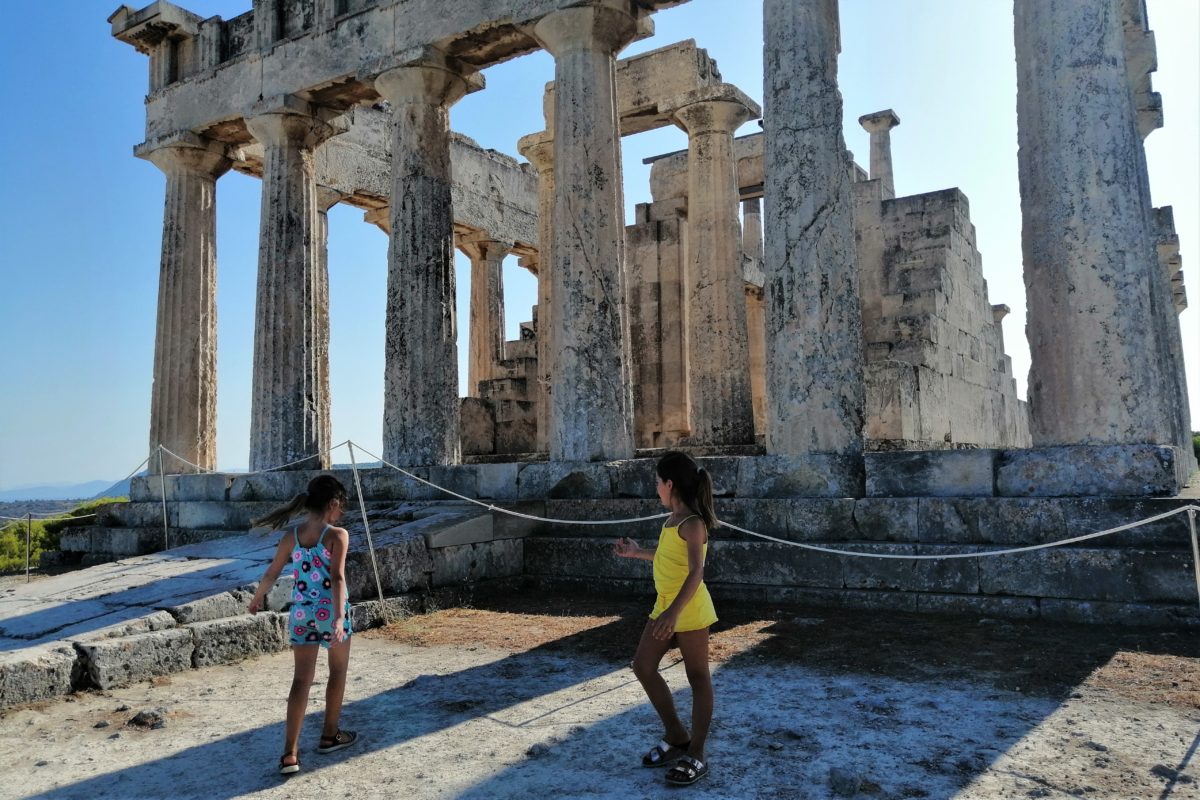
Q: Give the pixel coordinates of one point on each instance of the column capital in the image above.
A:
(603, 25)
(482, 246)
(999, 312)
(879, 121)
(186, 152)
(328, 198)
(288, 119)
(711, 109)
(538, 149)
(433, 78)
(380, 217)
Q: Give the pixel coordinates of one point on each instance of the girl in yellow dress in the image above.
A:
(682, 614)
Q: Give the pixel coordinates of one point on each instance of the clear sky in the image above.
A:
(80, 218)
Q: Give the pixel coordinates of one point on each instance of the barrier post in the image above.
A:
(28, 540)
(362, 507)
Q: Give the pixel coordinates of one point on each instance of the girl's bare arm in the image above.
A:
(283, 552)
(628, 548)
(339, 544)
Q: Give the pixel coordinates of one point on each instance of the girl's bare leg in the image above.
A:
(339, 660)
(306, 664)
(694, 647)
(645, 666)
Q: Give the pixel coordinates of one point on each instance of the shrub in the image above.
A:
(43, 534)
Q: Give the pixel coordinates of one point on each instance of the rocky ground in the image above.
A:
(533, 697)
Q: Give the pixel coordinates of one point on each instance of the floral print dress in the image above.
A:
(311, 617)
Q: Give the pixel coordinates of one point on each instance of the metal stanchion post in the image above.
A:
(29, 539)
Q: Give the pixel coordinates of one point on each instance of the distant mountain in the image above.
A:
(118, 489)
(68, 491)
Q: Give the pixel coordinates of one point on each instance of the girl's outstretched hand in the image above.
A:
(256, 604)
(626, 548)
(663, 628)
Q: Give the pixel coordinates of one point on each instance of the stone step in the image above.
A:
(1128, 575)
(121, 542)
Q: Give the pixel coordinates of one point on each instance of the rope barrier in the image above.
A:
(362, 507)
(206, 471)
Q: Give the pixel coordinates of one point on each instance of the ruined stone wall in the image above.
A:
(937, 374)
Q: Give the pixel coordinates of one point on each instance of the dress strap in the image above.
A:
(322, 536)
(296, 537)
(677, 525)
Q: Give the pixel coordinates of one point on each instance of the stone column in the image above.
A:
(721, 409)
(752, 258)
(538, 148)
(879, 125)
(592, 402)
(421, 404)
(752, 230)
(183, 398)
(814, 324)
(326, 199)
(1089, 253)
(287, 406)
(485, 343)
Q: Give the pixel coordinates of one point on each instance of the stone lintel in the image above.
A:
(145, 29)
(879, 121)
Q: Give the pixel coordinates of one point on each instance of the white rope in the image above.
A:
(206, 471)
(1004, 552)
(362, 506)
(500, 510)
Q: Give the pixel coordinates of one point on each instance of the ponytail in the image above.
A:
(322, 490)
(692, 483)
(277, 518)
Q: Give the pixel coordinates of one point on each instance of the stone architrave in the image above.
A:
(879, 125)
(485, 342)
(183, 400)
(421, 404)
(1089, 253)
(286, 423)
(538, 148)
(592, 402)
(721, 409)
(814, 352)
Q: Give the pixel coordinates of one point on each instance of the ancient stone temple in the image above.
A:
(828, 346)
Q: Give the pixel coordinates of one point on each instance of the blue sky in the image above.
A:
(80, 218)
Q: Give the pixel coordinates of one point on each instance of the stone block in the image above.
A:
(36, 673)
(1134, 615)
(509, 526)
(770, 563)
(813, 475)
(888, 519)
(1084, 515)
(635, 477)
(771, 517)
(820, 519)
(477, 427)
(978, 606)
(581, 558)
(497, 481)
(119, 662)
(217, 606)
(475, 562)
(593, 510)
(1108, 470)
(723, 470)
(959, 576)
(403, 561)
(76, 541)
(462, 479)
(562, 480)
(931, 473)
(371, 614)
(1078, 573)
(990, 521)
(459, 530)
(223, 641)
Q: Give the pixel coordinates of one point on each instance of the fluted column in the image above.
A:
(539, 149)
(879, 125)
(485, 334)
(592, 402)
(183, 398)
(1089, 254)
(326, 199)
(721, 409)
(287, 407)
(421, 404)
(815, 392)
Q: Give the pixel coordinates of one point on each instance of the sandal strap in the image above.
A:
(692, 766)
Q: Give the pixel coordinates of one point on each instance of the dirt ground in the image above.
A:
(530, 697)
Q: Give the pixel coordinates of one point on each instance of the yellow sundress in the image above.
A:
(670, 571)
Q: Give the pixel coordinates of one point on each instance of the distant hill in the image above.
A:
(65, 491)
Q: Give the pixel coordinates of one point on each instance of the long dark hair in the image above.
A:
(321, 490)
(692, 482)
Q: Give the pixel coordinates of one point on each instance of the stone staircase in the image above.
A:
(504, 417)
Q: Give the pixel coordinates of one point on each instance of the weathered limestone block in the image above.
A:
(591, 510)
(960, 576)
(820, 519)
(559, 480)
(1092, 514)
(582, 557)
(937, 473)
(978, 606)
(477, 427)
(370, 614)
(1008, 521)
(1121, 470)
(1096, 374)
(592, 400)
(421, 427)
(458, 529)
(36, 673)
(887, 519)
(813, 475)
(218, 606)
(401, 553)
(498, 481)
(814, 322)
(770, 517)
(120, 662)
(468, 563)
(1131, 615)
(743, 562)
(223, 641)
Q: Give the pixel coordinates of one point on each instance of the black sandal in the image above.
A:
(664, 753)
(289, 769)
(686, 771)
(329, 744)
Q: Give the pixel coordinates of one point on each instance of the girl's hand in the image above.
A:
(339, 629)
(626, 548)
(256, 604)
(663, 628)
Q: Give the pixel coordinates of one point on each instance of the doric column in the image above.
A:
(485, 334)
(815, 394)
(592, 402)
(326, 199)
(879, 125)
(287, 406)
(1096, 376)
(421, 405)
(183, 399)
(752, 231)
(721, 409)
(538, 148)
